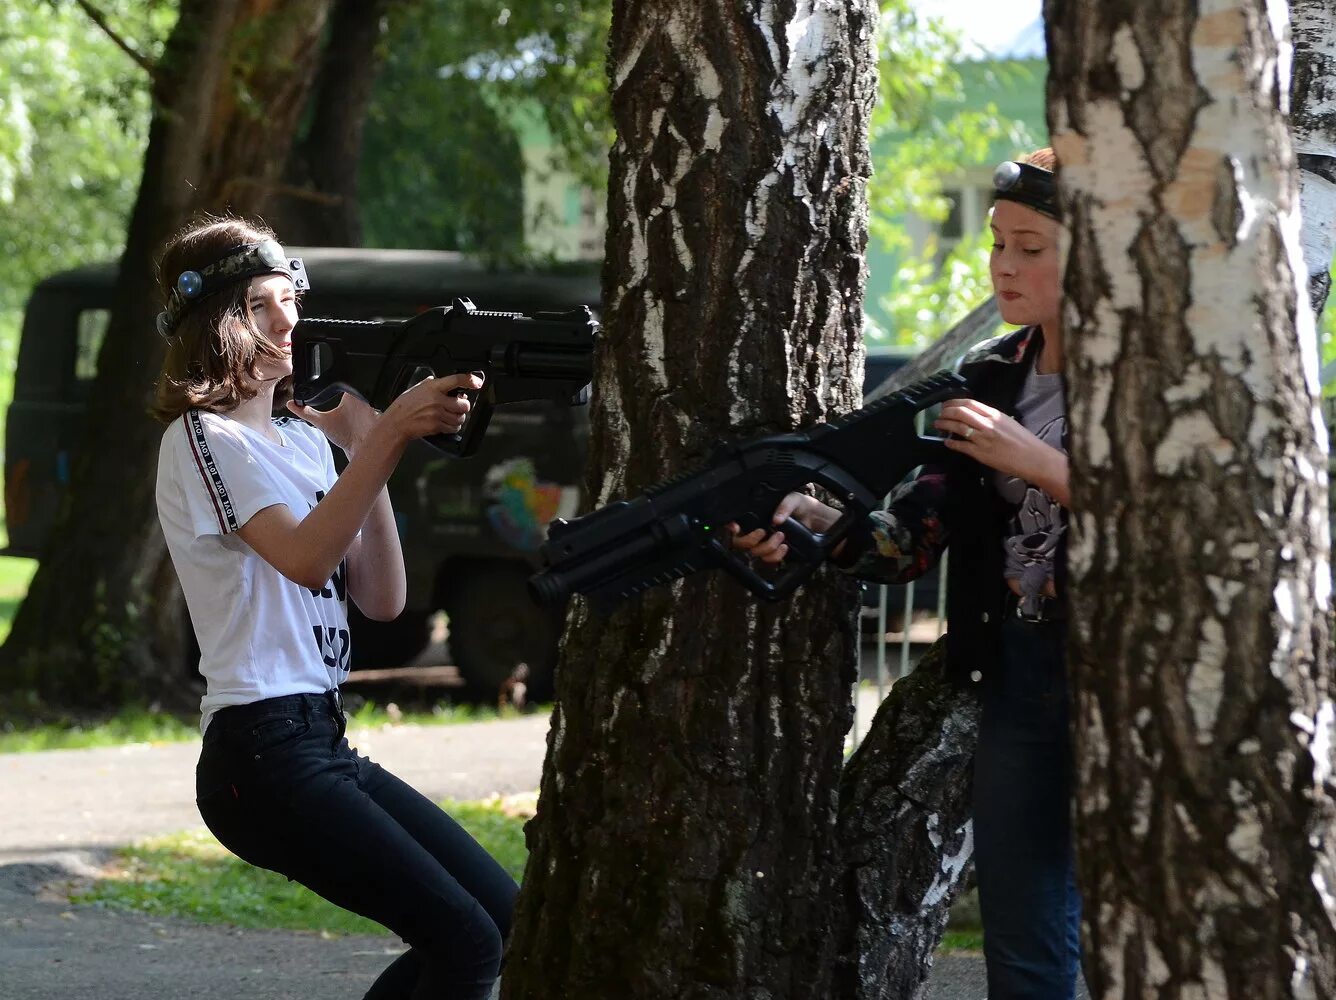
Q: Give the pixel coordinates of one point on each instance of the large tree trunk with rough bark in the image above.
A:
(686, 825)
(1199, 645)
(317, 205)
(906, 834)
(103, 620)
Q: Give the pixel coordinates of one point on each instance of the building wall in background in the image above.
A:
(564, 219)
(1016, 88)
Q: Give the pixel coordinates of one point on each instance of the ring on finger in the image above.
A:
(969, 433)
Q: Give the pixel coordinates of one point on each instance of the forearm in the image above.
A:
(1052, 475)
(376, 578)
(326, 534)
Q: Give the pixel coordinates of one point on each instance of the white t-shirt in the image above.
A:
(260, 634)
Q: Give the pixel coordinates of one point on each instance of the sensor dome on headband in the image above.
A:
(1031, 186)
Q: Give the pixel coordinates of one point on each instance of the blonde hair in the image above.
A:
(215, 349)
(1044, 159)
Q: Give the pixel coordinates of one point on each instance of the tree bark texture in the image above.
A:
(906, 834)
(685, 830)
(1199, 646)
(317, 204)
(1313, 114)
(103, 618)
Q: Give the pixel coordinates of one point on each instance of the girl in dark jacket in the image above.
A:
(1000, 502)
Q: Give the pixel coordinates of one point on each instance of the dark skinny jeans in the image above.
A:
(1022, 821)
(281, 788)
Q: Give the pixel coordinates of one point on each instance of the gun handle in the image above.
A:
(469, 439)
(807, 549)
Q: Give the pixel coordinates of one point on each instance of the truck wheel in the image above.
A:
(494, 626)
(387, 644)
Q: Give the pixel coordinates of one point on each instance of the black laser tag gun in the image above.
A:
(679, 526)
(548, 355)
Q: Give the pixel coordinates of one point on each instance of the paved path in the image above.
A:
(61, 800)
(62, 810)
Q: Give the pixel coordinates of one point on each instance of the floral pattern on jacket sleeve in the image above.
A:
(904, 541)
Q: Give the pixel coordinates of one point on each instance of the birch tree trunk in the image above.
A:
(684, 834)
(906, 834)
(104, 618)
(1199, 645)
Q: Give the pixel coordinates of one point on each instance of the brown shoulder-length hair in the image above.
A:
(214, 351)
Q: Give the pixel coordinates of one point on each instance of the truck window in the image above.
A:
(92, 331)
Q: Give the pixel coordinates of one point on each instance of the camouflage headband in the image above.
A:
(239, 263)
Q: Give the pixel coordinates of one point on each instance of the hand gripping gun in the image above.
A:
(678, 526)
(548, 355)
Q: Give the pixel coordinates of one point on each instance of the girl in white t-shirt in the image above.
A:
(269, 543)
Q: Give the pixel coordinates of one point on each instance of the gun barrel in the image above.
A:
(551, 588)
(539, 361)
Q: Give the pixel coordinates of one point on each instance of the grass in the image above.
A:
(191, 875)
(15, 575)
(966, 939)
(129, 725)
(137, 724)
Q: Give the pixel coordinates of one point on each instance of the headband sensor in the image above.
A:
(238, 264)
(1031, 186)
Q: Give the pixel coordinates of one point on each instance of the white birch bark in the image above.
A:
(1199, 641)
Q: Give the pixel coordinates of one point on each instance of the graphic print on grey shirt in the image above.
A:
(1032, 538)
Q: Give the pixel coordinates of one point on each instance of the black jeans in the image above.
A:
(280, 787)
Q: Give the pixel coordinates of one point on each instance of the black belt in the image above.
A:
(1041, 609)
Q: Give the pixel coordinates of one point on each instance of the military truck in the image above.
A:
(470, 528)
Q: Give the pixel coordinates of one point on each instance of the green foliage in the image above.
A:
(539, 55)
(465, 87)
(922, 132)
(74, 113)
(440, 169)
(1327, 336)
(928, 298)
(191, 875)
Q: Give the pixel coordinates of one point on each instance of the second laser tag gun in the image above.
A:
(548, 355)
(679, 526)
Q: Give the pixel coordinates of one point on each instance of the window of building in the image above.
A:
(966, 217)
